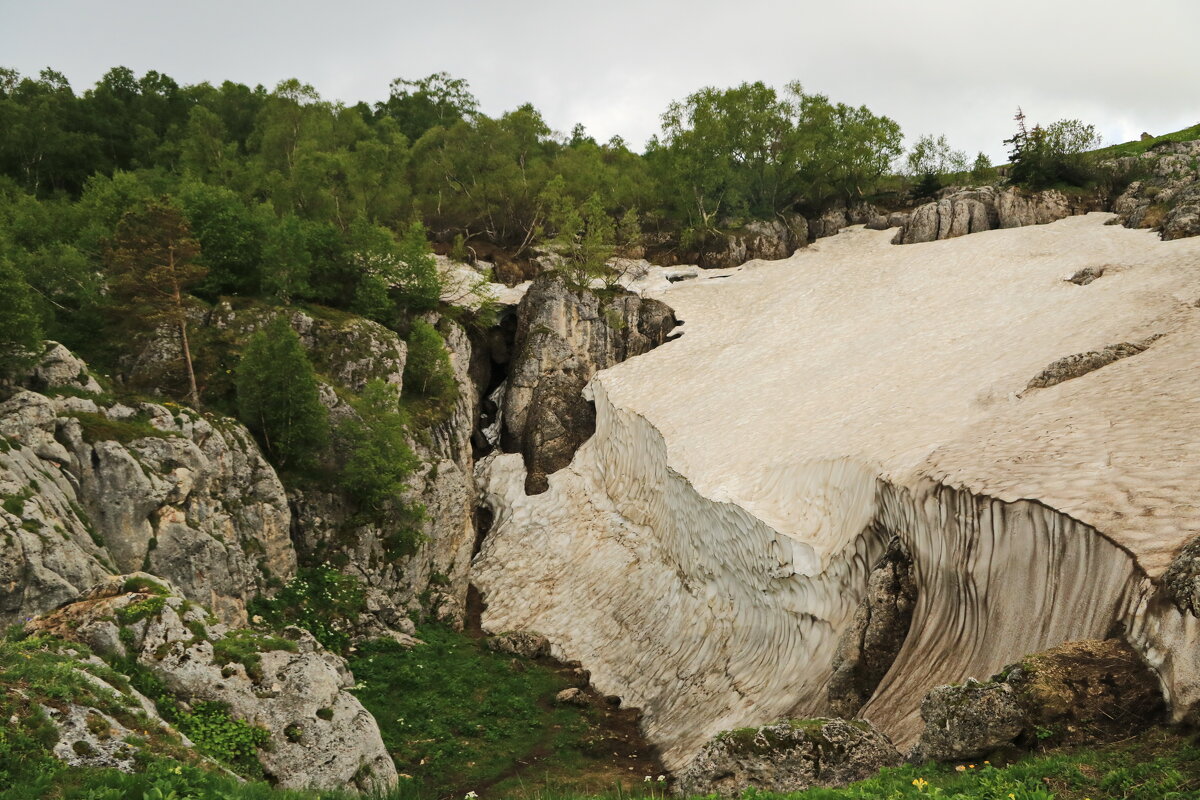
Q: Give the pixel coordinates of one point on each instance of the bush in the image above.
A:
(323, 601)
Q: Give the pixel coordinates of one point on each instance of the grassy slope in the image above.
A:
(457, 717)
(1139, 147)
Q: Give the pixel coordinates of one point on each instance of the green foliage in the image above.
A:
(140, 610)
(20, 325)
(321, 600)
(245, 647)
(981, 168)
(232, 741)
(1057, 154)
(428, 374)
(395, 274)
(747, 151)
(378, 460)
(586, 237)
(143, 586)
(436, 101)
(455, 715)
(934, 156)
(278, 399)
(97, 427)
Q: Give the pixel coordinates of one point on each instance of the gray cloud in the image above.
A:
(936, 66)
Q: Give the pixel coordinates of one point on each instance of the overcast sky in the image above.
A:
(959, 67)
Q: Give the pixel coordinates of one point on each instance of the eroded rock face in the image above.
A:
(870, 644)
(95, 489)
(320, 735)
(1182, 579)
(985, 209)
(768, 240)
(1079, 692)
(1166, 195)
(788, 756)
(564, 336)
(1184, 217)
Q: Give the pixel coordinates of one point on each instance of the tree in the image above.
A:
(20, 328)
(981, 169)
(378, 459)
(437, 100)
(1058, 153)
(278, 397)
(152, 263)
(934, 156)
(428, 373)
(752, 151)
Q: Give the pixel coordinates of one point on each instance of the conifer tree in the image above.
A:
(152, 264)
(278, 398)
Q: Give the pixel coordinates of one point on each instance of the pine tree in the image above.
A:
(278, 398)
(378, 458)
(152, 264)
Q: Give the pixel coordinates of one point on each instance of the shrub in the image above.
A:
(321, 600)
(1054, 155)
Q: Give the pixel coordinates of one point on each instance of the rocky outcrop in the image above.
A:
(1183, 219)
(829, 223)
(407, 562)
(769, 240)
(987, 208)
(1078, 692)
(1182, 579)
(1073, 366)
(1166, 194)
(788, 756)
(317, 734)
(875, 635)
(92, 486)
(564, 336)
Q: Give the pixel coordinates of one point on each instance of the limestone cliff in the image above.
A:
(93, 486)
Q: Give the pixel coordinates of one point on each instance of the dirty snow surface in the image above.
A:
(706, 549)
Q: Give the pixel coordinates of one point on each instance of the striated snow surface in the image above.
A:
(706, 548)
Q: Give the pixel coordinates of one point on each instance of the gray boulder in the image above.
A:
(1183, 219)
(787, 756)
(764, 239)
(520, 643)
(1083, 692)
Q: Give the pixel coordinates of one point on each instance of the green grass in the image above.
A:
(1138, 147)
(458, 717)
(99, 428)
(245, 647)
